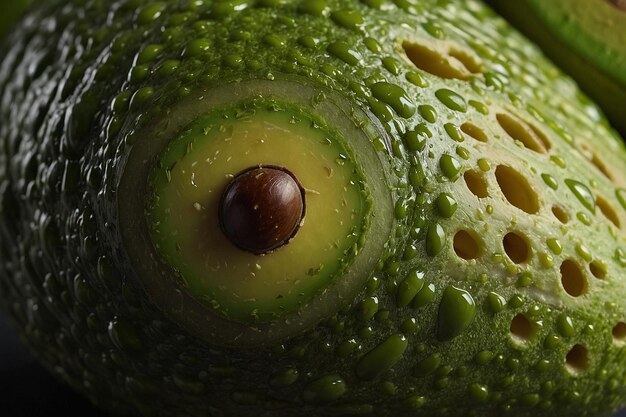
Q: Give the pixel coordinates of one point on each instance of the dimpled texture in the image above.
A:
(501, 291)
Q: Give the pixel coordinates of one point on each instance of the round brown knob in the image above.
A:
(620, 4)
(262, 208)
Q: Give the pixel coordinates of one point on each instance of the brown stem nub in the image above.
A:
(620, 4)
(262, 208)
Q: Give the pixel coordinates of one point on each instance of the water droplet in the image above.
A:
(382, 357)
(424, 297)
(314, 7)
(124, 336)
(446, 205)
(410, 252)
(582, 193)
(530, 399)
(435, 239)
(483, 357)
(308, 41)
(551, 341)
(408, 326)
(550, 181)
(456, 313)
(393, 268)
(392, 65)
(417, 80)
(349, 19)
(428, 112)
(450, 166)
(565, 325)
(344, 52)
(542, 365)
(233, 60)
(367, 308)
(197, 47)
(414, 402)
(366, 333)
(558, 161)
(380, 110)
(226, 7)
(451, 100)
(480, 107)
(388, 387)
(454, 132)
(169, 67)
(373, 45)
(325, 389)
(555, 246)
(284, 378)
(140, 97)
(346, 348)
(434, 29)
(408, 289)
(149, 53)
(400, 209)
(417, 176)
(484, 164)
(428, 365)
(479, 392)
(464, 153)
(415, 140)
(396, 97)
(583, 218)
(150, 13)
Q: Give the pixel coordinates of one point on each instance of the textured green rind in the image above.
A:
(585, 39)
(594, 29)
(67, 279)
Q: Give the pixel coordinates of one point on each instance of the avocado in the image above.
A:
(309, 208)
(586, 39)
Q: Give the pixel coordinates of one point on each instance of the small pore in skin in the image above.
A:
(521, 328)
(474, 131)
(619, 332)
(528, 135)
(444, 60)
(573, 278)
(607, 210)
(516, 247)
(476, 183)
(466, 245)
(577, 359)
(595, 160)
(561, 214)
(598, 269)
(517, 190)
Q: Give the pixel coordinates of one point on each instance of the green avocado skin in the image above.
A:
(80, 78)
(587, 45)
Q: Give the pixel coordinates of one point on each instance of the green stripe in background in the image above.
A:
(11, 11)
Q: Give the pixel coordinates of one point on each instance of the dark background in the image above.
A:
(26, 389)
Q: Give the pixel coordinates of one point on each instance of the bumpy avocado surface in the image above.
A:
(462, 249)
(587, 39)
